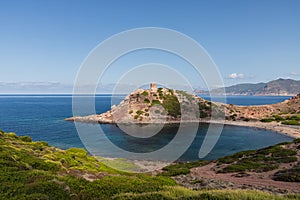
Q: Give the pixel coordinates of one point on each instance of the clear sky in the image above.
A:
(45, 42)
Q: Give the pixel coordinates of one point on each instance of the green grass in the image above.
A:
(120, 164)
(171, 193)
(287, 120)
(35, 170)
(261, 160)
(291, 122)
(289, 175)
(181, 168)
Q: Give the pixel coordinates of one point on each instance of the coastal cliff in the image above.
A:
(163, 105)
(156, 105)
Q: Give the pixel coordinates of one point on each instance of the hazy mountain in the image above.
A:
(279, 87)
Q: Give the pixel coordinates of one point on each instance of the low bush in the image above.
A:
(291, 122)
(155, 102)
(139, 112)
(181, 168)
(172, 105)
(261, 160)
(145, 93)
(25, 138)
(267, 120)
(289, 175)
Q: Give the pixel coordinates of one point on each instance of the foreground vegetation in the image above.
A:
(35, 170)
(264, 160)
(286, 119)
(181, 168)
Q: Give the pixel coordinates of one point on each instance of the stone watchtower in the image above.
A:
(153, 87)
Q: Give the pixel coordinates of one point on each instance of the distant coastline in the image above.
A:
(279, 87)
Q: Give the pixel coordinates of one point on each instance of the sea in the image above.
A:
(42, 118)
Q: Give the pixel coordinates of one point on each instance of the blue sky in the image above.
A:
(45, 42)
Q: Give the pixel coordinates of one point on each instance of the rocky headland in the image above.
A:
(163, 105)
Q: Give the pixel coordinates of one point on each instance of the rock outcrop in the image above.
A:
(163, 105)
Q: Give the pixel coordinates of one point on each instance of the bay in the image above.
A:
(42, 118)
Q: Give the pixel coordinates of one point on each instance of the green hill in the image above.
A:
(279, 87)
(35, 170)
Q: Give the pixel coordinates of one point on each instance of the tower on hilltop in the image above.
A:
(153, 87)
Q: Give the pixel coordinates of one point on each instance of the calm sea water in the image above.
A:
(42, 118)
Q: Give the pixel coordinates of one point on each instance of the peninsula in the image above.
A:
(163, 105)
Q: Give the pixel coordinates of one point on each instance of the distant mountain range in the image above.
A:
(279, 87)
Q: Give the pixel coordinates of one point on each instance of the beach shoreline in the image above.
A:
(292, 131)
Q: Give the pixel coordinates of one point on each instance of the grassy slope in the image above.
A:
(261, 160)
(34, 170)
(266, 159)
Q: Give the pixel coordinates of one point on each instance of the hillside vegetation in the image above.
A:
(279, 87)
(274, 169)
(160, 105)
(35, 170)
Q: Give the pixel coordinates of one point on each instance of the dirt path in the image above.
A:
(253, 179)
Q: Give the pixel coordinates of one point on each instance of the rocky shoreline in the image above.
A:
(167, 106)
(293, 131)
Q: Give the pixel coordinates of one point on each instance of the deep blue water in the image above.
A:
(42, 118)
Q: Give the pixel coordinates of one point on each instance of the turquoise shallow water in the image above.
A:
(42, 117)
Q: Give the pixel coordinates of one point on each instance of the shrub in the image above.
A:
(278, 118)
(293, 117)
(145, 93)
(258, 161)
(139, 112)
(291, 122)
(289, 175)
(181, 168)
(25, 138)
(12, 135)
(172, 105)
(267, 120)
(155, 102)
(296, 140)
(246, 119)
(146, 100)
(130, 112)
(203, 114)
